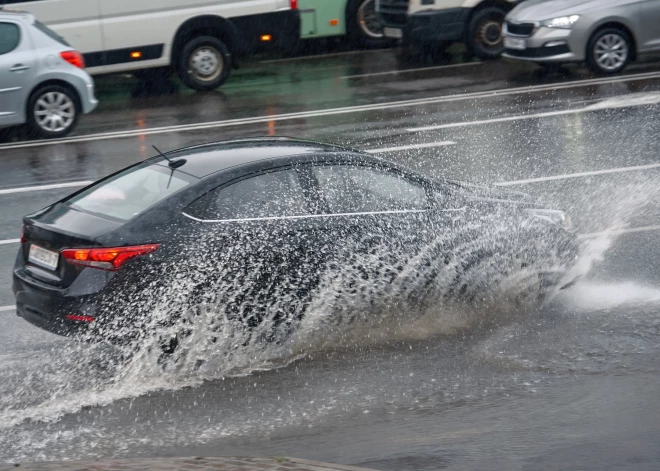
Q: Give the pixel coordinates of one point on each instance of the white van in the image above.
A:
(200, 40)
(434, 24)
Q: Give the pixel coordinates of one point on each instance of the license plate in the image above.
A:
(393, 33)
(44, 258)
(515, 43)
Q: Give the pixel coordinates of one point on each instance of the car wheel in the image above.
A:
(609, 51)
(52, 111)
(205, 63)
(362, 26)
(484, 36)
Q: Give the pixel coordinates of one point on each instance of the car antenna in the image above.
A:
(172, 163)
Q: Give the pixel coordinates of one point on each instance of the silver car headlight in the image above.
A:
(553, 216)
(562, 22)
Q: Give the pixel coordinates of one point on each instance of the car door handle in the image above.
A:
(19, 67)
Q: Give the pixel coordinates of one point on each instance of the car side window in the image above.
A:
(269, 195)
(352, 189)
(10, 36)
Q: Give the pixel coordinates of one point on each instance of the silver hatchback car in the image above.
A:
(42, 79)
(606, 34)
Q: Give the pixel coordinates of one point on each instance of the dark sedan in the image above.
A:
(263, 229)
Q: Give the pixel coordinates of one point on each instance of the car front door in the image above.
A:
(256, 255)
(379, 220)
(17, 71)
(649, 34)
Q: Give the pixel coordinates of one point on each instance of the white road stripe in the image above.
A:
(622, 101)
(631, 230)
(330, 111)
(9, 241)
(7, 308)
(54, 186)
(580, 175)
(320, 56)
(412, 146)
(407, 71)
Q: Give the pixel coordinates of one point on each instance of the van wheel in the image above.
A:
(484, 36)
(205, 63)
(362, 26)
(52, 111)
(609, 51)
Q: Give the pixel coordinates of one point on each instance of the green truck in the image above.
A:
(356, 19)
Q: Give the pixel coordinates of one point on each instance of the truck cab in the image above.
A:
(438, 23)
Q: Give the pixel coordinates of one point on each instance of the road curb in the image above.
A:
(198, 463)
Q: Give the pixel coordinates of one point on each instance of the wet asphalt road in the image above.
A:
(572, 386)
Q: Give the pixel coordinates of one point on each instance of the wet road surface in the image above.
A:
(572, 385)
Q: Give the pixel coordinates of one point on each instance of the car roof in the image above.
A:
(206, 159)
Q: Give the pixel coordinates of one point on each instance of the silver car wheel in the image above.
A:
(206, 63)
(611, 52)
(368, 20)
(54, 111)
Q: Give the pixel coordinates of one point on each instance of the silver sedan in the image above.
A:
(606, 34)
(43, 83)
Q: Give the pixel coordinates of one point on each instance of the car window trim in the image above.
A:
(308, 216)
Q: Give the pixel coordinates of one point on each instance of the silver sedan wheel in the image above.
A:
(368, 20)
(611, 52)
(206, 63)
(54, 111)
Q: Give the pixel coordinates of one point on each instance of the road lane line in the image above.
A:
(631, 230)
(406, 71)
(580, 175)
(321, 56)
(7, 308)
(410, 147)
(54, 186)
(9, 241)
(329, 111)
(621, 101)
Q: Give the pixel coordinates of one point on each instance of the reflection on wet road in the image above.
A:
(571, 385)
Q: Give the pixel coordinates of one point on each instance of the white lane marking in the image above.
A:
(621, 101)
(320, 56)
(412, 146)
(579, 175)
(9, 241)
(406, 71)
(329, 111)
(54, 186)
(631, 230)
(7, 308)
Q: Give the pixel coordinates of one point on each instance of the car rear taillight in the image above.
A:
(79, 318)
(23, 238)
(106, 258)
(294, 4)
(73, 58)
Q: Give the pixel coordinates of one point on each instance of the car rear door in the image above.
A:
(378, 219)
(256, 253)
(17, 71)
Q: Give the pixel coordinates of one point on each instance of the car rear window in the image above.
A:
(10, 36)
(129, 193)
(52, 34)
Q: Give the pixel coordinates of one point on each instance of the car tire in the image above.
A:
(205, 63)
(362, 27)
(52, 111)
(484, 33)
(609, 51)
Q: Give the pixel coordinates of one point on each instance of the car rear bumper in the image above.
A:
(47, 306)
(436, 26)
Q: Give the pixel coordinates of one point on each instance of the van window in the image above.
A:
(129, 193)
(10, 36)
